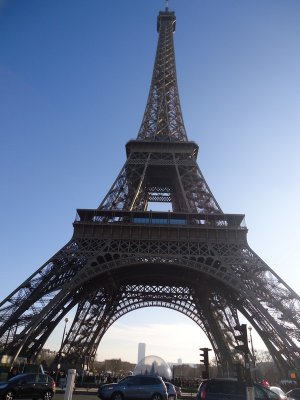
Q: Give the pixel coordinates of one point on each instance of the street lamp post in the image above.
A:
(252, 351)
(61, 346)
(63, 336)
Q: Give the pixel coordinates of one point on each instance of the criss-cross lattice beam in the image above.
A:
(169, 173)
(94, 321)
(260, 294)
(163, 117)
(121, 256)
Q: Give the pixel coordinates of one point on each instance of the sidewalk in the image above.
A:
(78, 391)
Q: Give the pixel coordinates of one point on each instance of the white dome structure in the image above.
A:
(153, 365)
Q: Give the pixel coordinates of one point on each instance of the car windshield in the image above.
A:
(294, 392)
(124, 380)
(16, 378)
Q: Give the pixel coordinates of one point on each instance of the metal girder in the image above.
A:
(172, 173)
(163, 117)
(260, 295)
(94, 321)
(194, 259)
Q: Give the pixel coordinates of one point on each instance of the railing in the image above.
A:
(236, 221)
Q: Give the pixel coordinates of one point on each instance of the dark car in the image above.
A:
(231, 389)
(294, 393)
(28, 386)
(135, 387)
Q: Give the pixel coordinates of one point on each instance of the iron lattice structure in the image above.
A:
(194, 259)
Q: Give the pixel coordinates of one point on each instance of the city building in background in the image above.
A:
(141, 352)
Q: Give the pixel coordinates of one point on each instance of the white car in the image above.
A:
(172, 394)
(279, 391)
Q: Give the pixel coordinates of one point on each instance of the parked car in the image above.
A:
(140, 387)
(28, 386)
(294, 394)
(172, 394)
(231, 389)
(279, 391)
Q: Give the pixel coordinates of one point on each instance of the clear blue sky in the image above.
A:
(74, 79)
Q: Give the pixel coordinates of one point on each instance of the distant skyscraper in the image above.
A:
(179, 361)
(141, 351)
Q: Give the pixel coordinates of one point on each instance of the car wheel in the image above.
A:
(8, 396)
(156, 396)
(47, 395)
(117, 396)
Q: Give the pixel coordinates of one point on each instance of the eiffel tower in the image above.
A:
(122, 256)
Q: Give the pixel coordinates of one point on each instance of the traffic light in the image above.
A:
(204, 356)
(204, 360)
(243, 338)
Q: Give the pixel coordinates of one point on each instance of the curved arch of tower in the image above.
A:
(193, 259)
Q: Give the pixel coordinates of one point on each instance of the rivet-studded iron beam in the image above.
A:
(163, 117)
(194, 258)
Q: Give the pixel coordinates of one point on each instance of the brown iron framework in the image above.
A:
(194, 258)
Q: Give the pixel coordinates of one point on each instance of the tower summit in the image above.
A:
(194, 259)
(163, 117)
(161, 164)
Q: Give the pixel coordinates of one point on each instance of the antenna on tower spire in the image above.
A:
(167, 5)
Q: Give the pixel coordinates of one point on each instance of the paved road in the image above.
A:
(84, 394)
